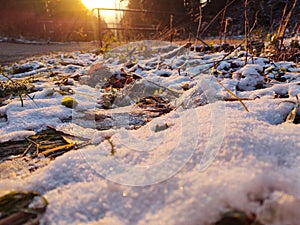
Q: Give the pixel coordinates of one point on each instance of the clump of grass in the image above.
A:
(15, 88)
(236, 217)
(108, 40)
(22, 208)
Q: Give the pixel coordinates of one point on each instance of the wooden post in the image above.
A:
(199, 25)
(99, 29)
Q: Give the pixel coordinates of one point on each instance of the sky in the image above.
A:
(109, 15)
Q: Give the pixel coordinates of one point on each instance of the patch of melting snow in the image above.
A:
(251, 160)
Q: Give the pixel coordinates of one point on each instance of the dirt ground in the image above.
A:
(12, 52)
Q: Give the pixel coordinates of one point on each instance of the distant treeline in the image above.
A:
(64, 20)
(266, 13)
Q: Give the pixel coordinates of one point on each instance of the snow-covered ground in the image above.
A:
(189, 166)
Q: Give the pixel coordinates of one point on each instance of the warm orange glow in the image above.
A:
(107, 14)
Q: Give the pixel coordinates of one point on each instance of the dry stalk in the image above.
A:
(246, 27)
(216, 16)
(284, 22)
(199, 24)
(224, 23)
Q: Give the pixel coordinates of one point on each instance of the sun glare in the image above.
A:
(106, 14)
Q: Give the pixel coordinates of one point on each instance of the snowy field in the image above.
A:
(205, 157)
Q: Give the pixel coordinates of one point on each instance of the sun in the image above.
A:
(99, 3)
(110, 4)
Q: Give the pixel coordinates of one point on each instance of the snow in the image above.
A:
(35, 115)
(206, 157)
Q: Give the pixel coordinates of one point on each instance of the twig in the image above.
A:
(203, 42)
(36, 144)
(234, 95)
(175, 92)
(21, 99)
(238, 99)
(26, 150)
